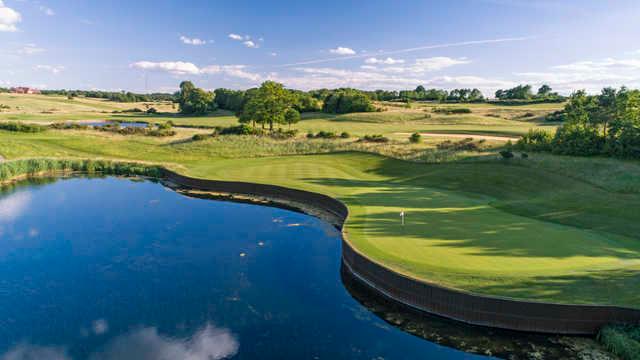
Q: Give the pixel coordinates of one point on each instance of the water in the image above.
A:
(117, 269)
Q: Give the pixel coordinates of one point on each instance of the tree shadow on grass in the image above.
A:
(464, 222)
(606, 287)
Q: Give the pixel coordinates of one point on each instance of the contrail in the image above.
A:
(427, 47)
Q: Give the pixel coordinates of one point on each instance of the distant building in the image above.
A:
(24, 90)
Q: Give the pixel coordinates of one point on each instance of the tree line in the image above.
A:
(604, 124)
(525, 93)
(118, 96)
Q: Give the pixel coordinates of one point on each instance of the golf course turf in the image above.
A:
(546, 228)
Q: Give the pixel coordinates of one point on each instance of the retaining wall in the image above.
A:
(454, 304)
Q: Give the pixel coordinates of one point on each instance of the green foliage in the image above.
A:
(345, 135)
(621, 340)
(268, 105)
(291, 116)
(163, 130)
(451, 111)
(195, 101)
(345, 101)
(460, 145)
(556, 116)
(415, 138)
(227, 99)
(242, 129)
(506, 154)
(21, 127)
(376, 138)
(535, 140)
(69, 126)
(12, 169)
(322, 135)
(120, 96)
(523, 94)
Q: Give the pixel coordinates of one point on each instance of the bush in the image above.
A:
(461, 145)
(556, 116)
(21, 127)
(451, 111)
(622, 340)
(152, 110)
(415, 138)
(283, 134)
(11, 169)
(200, 137)
(323, 135)
(577, 140)
(345, 135)
(69, 126)
(535, 140)
(506, 154)
(374, 138)
(241, 129)
(524, 155)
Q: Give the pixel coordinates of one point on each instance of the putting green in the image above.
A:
(477, 241)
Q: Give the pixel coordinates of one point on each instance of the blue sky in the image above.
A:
(152, 45)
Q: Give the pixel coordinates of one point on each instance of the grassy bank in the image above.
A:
(623, 341)
(10, 170)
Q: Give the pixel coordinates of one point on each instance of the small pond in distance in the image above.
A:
(110, 268)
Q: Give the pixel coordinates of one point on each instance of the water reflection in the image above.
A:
(146, 343)
(473, 339)
(14, 205)
(209, 343)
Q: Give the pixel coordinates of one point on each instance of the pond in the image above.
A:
(111, 268)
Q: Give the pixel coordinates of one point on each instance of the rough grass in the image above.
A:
(623, 341)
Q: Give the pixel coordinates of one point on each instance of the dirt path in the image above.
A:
(464, 136)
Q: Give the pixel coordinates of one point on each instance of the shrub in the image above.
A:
(461, 145)
(345, 135)
(524, 155)
(199, 137)
(535, 140)
(166, 126)
(622, 340)
(577, 140)
(69, 126)
(12, 169)
(283, 134)
(322, 135)
(506, 154)
(241, 129)
(451, 111)
(152, 110)
(375, 138)
(556, 116)
(415, 138)
(21, 127)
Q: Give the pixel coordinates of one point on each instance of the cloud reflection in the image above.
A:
(14, 205)
(34, 352)
(209, 343)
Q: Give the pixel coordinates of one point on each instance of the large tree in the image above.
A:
(267, 105)
(193, 100)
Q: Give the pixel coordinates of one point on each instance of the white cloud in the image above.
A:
(591, 75)
(33, 352)
(172, 67)
(14, 205)
(9, 18)
(235, 37)
(100, 327)
(273, 54)
(187, 68)
(387, 61)
(209, 343)
(54, 69)
(250, 44)
(342, 51)
(29, 49)
(48, 11)
(314, 78)
(192, 41)
(368, 67)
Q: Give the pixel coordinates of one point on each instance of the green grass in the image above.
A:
(547, 228)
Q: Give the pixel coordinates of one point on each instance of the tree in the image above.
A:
(291, 116)
(268, 105)
(544, 90)
(193, 100)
